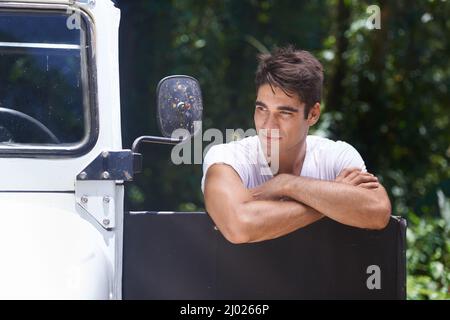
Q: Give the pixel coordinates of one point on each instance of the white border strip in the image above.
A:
(40, 45)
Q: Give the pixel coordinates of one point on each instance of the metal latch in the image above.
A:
(98, 198)
(95, 186)
(112, 165)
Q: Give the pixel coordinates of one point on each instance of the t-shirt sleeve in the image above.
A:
(347, 157)
(223, 154)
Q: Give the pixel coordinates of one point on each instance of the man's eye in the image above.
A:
(286, 113)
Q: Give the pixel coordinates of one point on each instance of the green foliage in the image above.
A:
(386, 92)
(428, 258)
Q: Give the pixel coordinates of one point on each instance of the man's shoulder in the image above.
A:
(334, 155)
(240, 155)
(321, 144)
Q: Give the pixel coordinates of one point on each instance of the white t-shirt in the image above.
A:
(324, 159)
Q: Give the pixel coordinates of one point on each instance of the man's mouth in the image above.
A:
(270, 138)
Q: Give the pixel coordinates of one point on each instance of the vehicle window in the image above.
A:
(44, 86)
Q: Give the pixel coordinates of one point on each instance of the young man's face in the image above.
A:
(276, 110)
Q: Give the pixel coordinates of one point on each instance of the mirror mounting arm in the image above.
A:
(153, 139)
(137, 157)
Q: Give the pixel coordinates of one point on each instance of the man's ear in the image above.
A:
(314, 114)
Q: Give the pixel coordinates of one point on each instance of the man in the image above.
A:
(316, 177)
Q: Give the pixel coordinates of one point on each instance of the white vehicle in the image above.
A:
(63, 171)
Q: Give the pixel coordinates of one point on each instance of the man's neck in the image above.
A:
(291, 160)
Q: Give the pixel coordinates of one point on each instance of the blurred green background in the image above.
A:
(386, 92)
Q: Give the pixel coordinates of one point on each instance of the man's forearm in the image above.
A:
(267, 219)
(344, 203)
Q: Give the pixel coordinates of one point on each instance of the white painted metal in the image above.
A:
(52, 246)
(49, 252)
(58, 174)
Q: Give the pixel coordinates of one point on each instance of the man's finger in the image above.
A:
(354, 174)
(345, 172)
(364, 179)
(369, 174)
(255, 191)
(369, 185)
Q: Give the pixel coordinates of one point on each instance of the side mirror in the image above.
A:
(180, 104)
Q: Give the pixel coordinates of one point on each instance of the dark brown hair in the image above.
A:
(293, 71)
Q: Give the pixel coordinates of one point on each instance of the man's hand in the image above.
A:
(242, 219)
(355, 177)
(272, 189)
(355, 198)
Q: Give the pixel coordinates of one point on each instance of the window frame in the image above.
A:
(89, 90)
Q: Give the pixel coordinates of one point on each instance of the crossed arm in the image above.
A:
(287, 202)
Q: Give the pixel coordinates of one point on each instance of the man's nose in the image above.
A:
(270, 122)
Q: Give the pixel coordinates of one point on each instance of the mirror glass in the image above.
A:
(180, 104)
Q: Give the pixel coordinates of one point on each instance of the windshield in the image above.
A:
(44, 82)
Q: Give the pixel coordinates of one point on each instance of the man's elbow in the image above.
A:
(237, 230)
(380, 216)
(236, 237)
